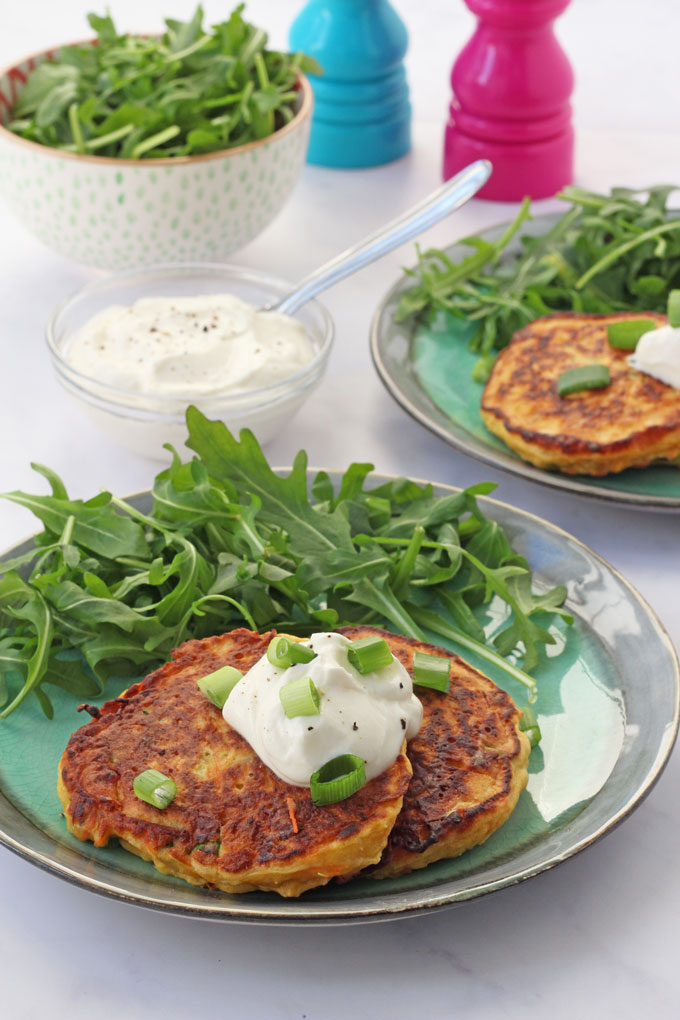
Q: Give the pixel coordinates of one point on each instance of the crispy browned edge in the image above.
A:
(570, 454)
(409, 847)
(360, 835)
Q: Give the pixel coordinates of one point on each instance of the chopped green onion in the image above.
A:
(585, 377)
(300, 653)
(218, 686)
(155, 788)
(338, 779)
(431, 671)
(277, 652)
(674, 308)
(438, 625)
(625, 334)
(369, 653)
(529, 725)
(283, 653)
(300, 697)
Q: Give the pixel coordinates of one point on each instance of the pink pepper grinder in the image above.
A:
(511, 88)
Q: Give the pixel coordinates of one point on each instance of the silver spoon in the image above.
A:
(425, 214)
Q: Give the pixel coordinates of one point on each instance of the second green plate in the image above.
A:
(427, 369)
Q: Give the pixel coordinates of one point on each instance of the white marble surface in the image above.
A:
(597, 936)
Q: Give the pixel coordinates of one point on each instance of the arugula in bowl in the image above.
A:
(188, 92)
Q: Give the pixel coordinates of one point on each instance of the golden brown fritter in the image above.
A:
(630, 423)
(469, 762)
(233, 825)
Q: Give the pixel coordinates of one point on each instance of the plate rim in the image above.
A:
(476, 448)
(380, 907)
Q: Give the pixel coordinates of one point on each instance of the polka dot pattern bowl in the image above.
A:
(120, 213)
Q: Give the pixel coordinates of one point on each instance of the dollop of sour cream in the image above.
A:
(658, 354)
(202, 345)
(367, 715)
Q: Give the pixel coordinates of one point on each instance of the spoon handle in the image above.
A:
(425, 214)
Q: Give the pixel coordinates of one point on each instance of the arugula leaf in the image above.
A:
(285, 502)
(97, 530)
(35, 612)
(104, 28)
(375, 593)
(522, 628)
(69, 671)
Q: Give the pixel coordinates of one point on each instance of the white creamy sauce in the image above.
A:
(209, 344)
(658, 354)
(368, 715)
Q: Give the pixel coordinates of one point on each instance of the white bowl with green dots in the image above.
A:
(120, 213)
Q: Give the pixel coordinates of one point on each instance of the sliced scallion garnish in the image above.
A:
(283, 653)
(673, 308)
(625, 334)
(431, 671)
(154, 788)
(529, 725)
(369, 653)
(218, 686)
(300, 653)
(338, 779)
(585, 377)
(300, 697)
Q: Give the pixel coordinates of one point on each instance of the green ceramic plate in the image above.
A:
(606, 737)
(427, 370)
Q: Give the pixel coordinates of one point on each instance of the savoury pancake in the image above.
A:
(631, 423)
(469, 763)
(233, 825)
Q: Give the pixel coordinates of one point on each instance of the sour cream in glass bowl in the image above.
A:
(137, 348)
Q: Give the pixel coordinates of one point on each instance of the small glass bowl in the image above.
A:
(144, 422)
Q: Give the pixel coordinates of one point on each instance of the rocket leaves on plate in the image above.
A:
(190, 91)
(107, 591)
(607, 253)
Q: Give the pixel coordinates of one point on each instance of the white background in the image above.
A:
(596, 937)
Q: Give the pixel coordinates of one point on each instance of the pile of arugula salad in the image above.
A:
(607, 253)
(106, 591)
(190, 91)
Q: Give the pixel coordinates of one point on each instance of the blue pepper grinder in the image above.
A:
(362, 114)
